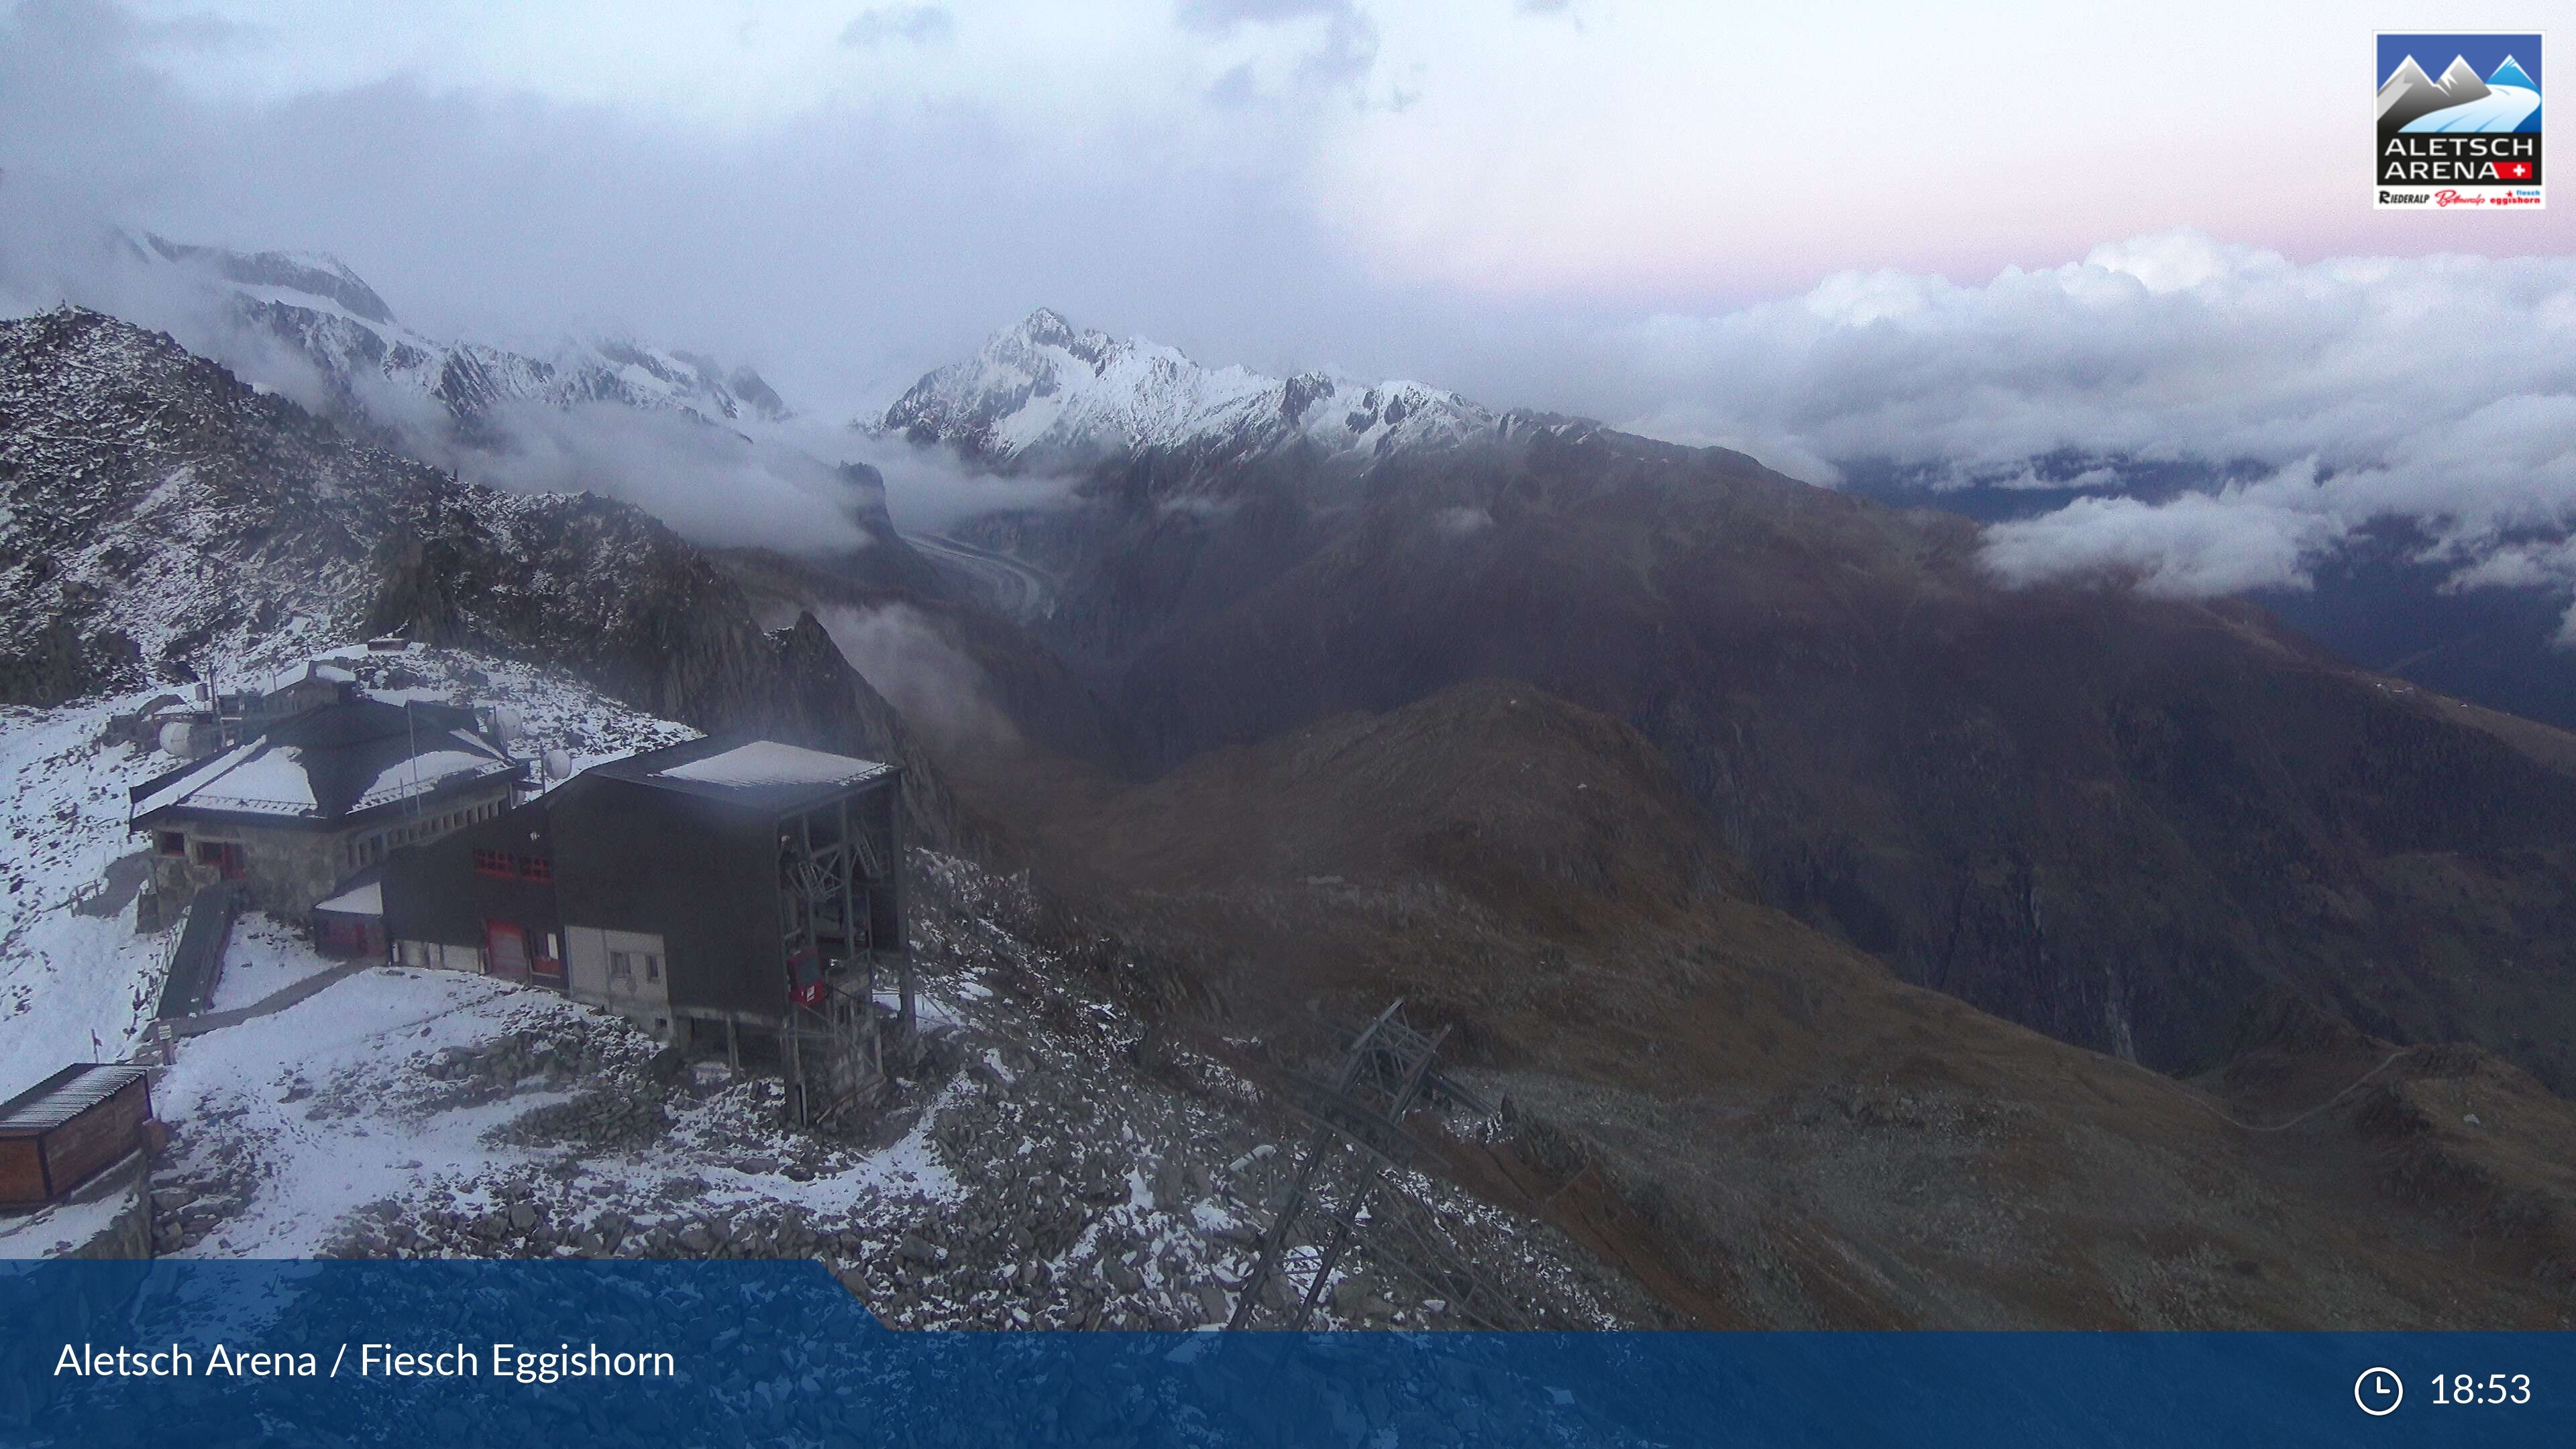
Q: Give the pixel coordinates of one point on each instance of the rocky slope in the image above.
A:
(969, 680)
(1763, 1124)
(669, 430)
(159, 511)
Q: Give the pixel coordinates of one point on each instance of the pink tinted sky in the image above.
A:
(847, 189)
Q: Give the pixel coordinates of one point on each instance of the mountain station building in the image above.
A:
(732, 895)
(323, 787)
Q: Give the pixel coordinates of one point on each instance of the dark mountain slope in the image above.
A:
(970, 681)
(156, 505)
(2125, 822)
(1762, 1123)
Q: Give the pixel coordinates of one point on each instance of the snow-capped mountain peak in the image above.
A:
(326, 312)
(1044, 391)
(318, 275)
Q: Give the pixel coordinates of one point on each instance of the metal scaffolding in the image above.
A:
(1341, 1195)
(828, 866)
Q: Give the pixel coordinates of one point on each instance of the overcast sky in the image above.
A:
(845, 194)
(1790, 227)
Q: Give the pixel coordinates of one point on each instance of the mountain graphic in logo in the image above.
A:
(2502, 102)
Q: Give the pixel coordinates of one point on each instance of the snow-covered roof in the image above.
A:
(758, 775)
(311, 669)
(422, 773)
(365, 900)
(65, 1095)
(768, 762)
(332, 762)
(170, 789)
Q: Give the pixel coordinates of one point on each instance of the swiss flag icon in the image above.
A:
(2514, 170)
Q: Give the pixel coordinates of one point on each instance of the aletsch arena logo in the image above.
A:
(2465, 135)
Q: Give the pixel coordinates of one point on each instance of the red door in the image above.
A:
(505, 950)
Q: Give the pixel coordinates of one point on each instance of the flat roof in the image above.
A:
(365, 900)
(65, 1095)
(754, 774)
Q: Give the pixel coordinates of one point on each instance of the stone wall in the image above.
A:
(286, 870)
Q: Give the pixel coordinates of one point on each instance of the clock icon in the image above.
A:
(2379, 1391)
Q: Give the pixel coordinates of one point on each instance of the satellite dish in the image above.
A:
(175, 738)
(558, 765)
(508, 724)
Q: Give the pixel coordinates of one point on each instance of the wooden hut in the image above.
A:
(69, 1128)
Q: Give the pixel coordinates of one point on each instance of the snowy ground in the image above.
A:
(73, 986)
(80, 987)
(1031, 1174)
(65, 1226)
(265, 958)
(337, 1099)
(553, 711)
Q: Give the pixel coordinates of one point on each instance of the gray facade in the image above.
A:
(708, 892)
(289, 868)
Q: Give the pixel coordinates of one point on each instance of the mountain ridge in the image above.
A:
(1041, 394)
(327, 314)
(154, 509)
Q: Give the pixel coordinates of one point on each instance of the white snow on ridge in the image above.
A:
(357, 347)
(1043, 390)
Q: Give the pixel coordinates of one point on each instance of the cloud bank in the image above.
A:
(2314, 399)
(846, 195)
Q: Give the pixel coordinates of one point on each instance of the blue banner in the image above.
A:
(578, 1353)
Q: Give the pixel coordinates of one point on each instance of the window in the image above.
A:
(525, 867)
(170, 842)
(622, 967)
